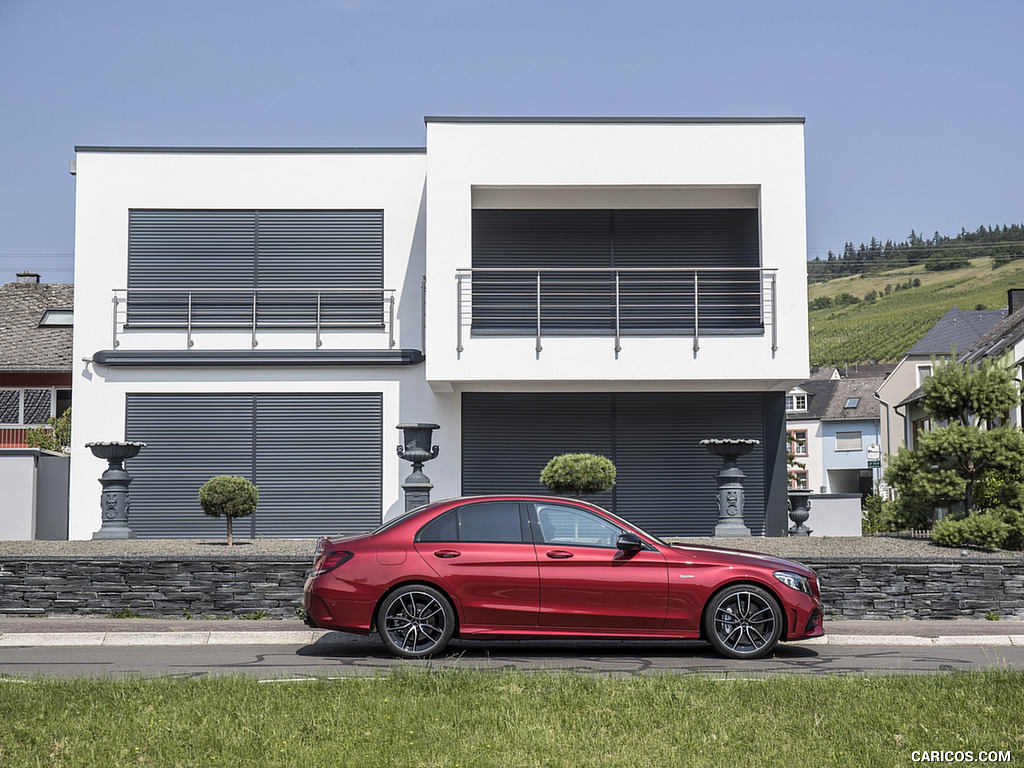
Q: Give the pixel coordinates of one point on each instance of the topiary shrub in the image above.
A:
(230, 496)
(576, 474)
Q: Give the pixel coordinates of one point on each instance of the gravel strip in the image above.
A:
(813, 548)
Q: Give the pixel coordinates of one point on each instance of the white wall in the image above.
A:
(111, 183)
(513, 164)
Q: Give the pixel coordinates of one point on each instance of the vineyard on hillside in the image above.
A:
(884, 328)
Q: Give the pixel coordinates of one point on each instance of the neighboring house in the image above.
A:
(837, 420)
(35, 355)
(850, 428)
(1005, 339)
(956, 329)
(535, 286)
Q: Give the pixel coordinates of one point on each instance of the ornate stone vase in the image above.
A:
(416, 447)
(730, 484)
(799, 511)
(114, 503)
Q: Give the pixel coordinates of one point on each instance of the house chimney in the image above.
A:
(1014, 300)
(32, 277)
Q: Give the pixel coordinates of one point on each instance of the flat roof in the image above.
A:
(260, 150)
(627, 120)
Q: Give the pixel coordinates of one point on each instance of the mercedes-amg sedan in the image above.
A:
(541, 567)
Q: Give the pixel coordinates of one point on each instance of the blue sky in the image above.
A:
(914, 114)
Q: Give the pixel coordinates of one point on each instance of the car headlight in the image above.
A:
(794, 581)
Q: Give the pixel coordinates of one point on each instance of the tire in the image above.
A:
(416, 621)
(743, 622)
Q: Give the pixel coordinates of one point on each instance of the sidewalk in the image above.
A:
(29, 632)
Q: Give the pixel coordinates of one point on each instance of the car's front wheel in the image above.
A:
(416, 621)
(743, 622)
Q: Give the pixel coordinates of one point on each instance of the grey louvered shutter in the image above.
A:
(692, 239)
(666, 478)
(321, 249)
(316, 459)
(539, 239)
(190, 249)
(318, 463)
(189, 439)
(528, 430)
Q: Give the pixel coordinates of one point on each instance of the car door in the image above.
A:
(586, 581)
(483, 554)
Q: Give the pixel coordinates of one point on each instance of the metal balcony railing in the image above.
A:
(616, 302)
(14, 437)
(370, 310)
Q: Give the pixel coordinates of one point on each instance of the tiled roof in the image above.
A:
(957, 328)
(845, 390)
(818, 391)
(24, 346)
(1000, 338)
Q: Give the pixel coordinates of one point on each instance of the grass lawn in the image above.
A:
(509, 719)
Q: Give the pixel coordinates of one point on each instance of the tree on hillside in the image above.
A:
(974, 449)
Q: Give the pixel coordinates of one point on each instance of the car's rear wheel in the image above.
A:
(743, 622)
(416, 621)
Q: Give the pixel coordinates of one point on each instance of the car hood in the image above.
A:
(737, 557)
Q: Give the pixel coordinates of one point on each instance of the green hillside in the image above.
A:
(885, 327)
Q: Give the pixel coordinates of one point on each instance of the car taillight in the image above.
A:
(330, 561)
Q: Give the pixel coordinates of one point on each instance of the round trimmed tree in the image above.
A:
(577, 474)
(230, 496)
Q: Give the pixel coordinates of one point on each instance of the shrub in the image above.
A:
(230, 496)
(577, 474)
(58, 439)
(986, 530)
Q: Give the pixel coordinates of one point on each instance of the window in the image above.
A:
(796, 402)
(848, 441)
(923, 372)
(798, 480)
(28, 406)
(852, 402)
(796, 442)
(575, 527)
(492, 521)
(57, 318)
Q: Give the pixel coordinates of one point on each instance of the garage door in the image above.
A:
(665, 479)
(316, 459)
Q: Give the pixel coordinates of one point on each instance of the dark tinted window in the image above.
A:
(440, 529)
(490, 521)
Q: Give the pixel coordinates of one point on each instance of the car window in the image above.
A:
(442, 528)
(570, 525)
(496, 521)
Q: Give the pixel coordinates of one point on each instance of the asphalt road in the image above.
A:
(336, 655)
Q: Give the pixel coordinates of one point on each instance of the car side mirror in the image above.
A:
(629, 542)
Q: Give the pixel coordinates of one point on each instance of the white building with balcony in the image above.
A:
(535, 286)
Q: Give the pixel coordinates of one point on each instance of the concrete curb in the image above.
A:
(308, 637)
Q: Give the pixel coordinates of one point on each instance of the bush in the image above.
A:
(58, 439)
(577, 474)
(230, 496)
(986, 530)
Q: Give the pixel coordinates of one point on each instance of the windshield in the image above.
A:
(634, 526)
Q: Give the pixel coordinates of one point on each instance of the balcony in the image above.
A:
(14, 437)
(245, 318)
(616, 303)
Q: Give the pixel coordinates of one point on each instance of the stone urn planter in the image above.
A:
(115, 480)
(730, 484)
(416, 447)
(799, 511)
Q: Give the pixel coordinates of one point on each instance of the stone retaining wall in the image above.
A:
(912, 589)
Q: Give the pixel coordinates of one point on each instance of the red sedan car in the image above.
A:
(534, 566)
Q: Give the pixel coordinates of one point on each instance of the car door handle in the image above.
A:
(446, 553)
(558, 554)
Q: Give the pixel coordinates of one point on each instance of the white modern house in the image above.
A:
(535, 286)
